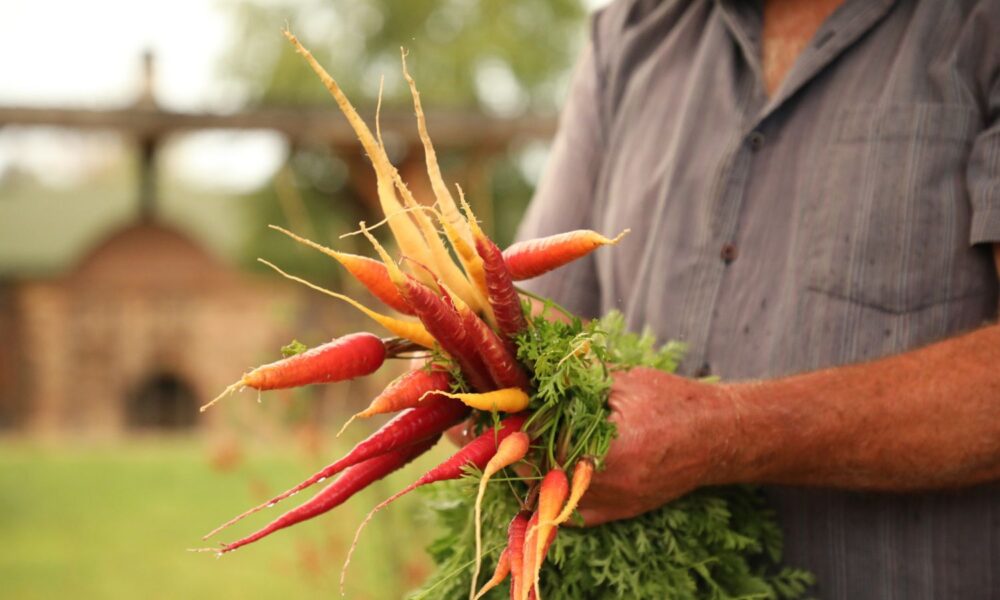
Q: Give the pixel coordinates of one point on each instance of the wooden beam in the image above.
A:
(300, 125)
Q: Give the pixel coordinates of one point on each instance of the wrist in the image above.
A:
(766, 434)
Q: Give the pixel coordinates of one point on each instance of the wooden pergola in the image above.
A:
(480, 137)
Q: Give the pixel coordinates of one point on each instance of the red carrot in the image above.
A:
(515, 543)
(405, 392)
(476, 453)
(500, 361)
(440, 319)
(344, 358)
(502, 295)
(532, 258)
(349, 483)
(433, 416)
(369, 272)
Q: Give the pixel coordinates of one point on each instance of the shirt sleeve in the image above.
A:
(564, 199)
(984, 176)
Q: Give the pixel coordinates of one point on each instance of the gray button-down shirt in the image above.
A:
(845, 218)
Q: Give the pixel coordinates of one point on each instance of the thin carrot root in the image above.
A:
(357, 534)
(349, 421)
(410, 330)
(232, 388)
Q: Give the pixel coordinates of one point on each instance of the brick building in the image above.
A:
(143, 330)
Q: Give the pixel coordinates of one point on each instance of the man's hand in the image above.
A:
(674, 435)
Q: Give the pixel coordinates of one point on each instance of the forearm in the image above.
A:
(923, 419)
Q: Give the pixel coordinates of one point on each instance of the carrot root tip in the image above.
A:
(232, 388)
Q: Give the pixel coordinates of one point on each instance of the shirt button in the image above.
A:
(756, 140)
(728, 253)
(704, 370)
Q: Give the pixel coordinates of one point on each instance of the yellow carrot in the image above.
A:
(509, 400)
(444, 199)
(410, 241)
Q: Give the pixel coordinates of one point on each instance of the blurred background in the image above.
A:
(144, 148)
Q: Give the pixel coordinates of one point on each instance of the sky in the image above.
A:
(67, 53)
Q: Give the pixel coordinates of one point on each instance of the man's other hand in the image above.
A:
(674, 435)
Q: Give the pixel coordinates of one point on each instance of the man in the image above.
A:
(813, 189)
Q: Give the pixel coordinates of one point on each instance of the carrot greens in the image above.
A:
(717, 543)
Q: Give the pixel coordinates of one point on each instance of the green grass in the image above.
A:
(114, 522)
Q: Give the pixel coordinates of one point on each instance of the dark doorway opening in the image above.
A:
(163, 402)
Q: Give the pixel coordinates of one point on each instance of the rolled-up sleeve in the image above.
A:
(984, 176)
(564, 198)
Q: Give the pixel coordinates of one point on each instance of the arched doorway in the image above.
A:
(162, 402)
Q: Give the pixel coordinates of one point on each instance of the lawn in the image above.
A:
(114, 522)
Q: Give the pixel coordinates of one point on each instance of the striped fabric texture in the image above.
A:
(847, 217)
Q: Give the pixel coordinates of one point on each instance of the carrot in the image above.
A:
(583, 472)
(532, 258)
(511, 450)
(349, 483)
(473, 266)
(476, 453)
(410, 241)
(524, 579)
(444, 266)
(499, 358)
(429, 419)
(439, 318)
(344, 358)
(502, 295)
(368, 271)
(404, 392)
(551, 498)
(509, 400)
(515, 543)
(445, 201)
(408, 330)
(499, 574)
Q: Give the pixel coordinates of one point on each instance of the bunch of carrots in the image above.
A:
(469, 314)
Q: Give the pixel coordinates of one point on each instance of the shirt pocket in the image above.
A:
(891, 221)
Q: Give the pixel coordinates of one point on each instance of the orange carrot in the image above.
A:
(369, 272)
(344, 358)
(509, 400)
(582, 474)
(551, 497)
(408, 330)
(405, 391)
(499, 574)
(532, 258)
(509, 452)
